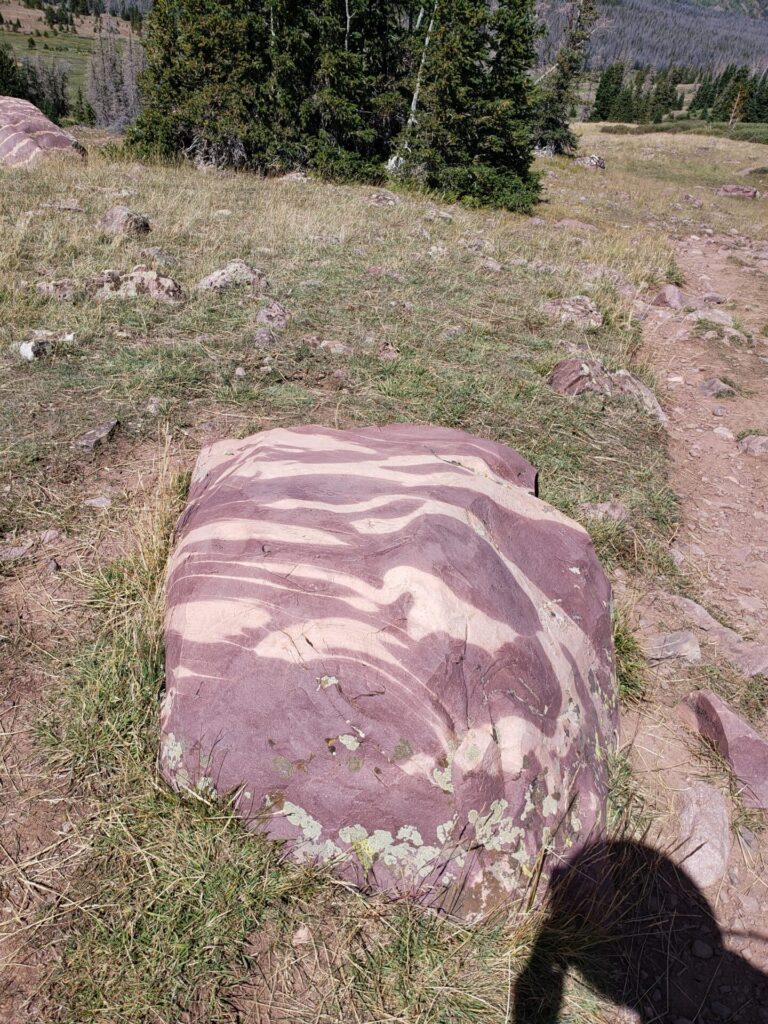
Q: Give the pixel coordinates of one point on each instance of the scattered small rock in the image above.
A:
(275, 315)
(64, 290)
(385, 198)
(435, 214)
(693, 201)
(42, 343)
(13, 552)
(713, 298)
(53, 566)
(670, 296)
(754, 444)
(681, 645)
(705, 833)
(578, 310)
(240, 372)
(264, 336)
(611, 510)
(381, 271)
(94, 438)
(388, 353)
(725, 433)
(716, 388)
(574, 225)
(235, 273)
(575, 376)
(159, 256)
(300, 176)
(99, 502)
(738, 192)
(492, 266)
(154, 406)
(593, 162)
(139, 282)
(122, 220)
(738, 743)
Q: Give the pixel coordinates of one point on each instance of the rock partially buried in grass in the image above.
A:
(122, 220)
(670, 296)
(395, 654)
(716, 388)
(235, 273)
(64, 290)
(610, 510)
(98, 436)
(275, 315)
(575, 376)
(42, 344)
(738, 743)
(593, 162)
(140, 282)
(738, 192)
(579, 310)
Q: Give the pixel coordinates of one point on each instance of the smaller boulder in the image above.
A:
(385, 198)
(705, 833)
(693, 201)
(64, 290)
(41, 344)
(157, 255)
(738, 192)
(275, 315)
(122, 220)
(593, 162)
(578, 310)
(98, 436)
(744, 749)
(681, 645)
(140, 282)
(716, 388)
(235, 273)
(670, 296)
(754, 444)
(575, 376)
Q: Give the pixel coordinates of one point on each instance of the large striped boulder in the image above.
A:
(27, 136)
(391, 655)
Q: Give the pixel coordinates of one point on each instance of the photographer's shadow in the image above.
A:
(640, 933)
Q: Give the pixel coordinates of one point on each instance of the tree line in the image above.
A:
(437, 92)
(735, 95)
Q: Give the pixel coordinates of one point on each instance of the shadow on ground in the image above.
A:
(640, 933)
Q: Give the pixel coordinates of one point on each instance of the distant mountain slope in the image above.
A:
(662, 32)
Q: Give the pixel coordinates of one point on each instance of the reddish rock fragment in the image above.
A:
(754, 444)
(738, 743)
(738, 192)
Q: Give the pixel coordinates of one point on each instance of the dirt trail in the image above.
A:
(724, 493)
(722, 548)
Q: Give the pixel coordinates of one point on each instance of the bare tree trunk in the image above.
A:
(422, 64)
(349, 25)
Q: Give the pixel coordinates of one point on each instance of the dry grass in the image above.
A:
(167, 892)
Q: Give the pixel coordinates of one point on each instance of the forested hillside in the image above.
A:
(660, 33)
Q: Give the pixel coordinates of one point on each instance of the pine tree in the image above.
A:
(552, 131)
(608, 88)
(206, 84)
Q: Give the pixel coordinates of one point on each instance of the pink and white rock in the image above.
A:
(395, 654)
(235, 273)
(27, 136)
(41, 343)
(681, 645)
(275, 315)
(593, 162)
(63, 290)
(122, 220)
(736, 741)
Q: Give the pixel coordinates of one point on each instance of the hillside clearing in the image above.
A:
(150, 908)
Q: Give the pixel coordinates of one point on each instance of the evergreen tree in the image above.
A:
(469, 133)
(608, 90)
(552, 130)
